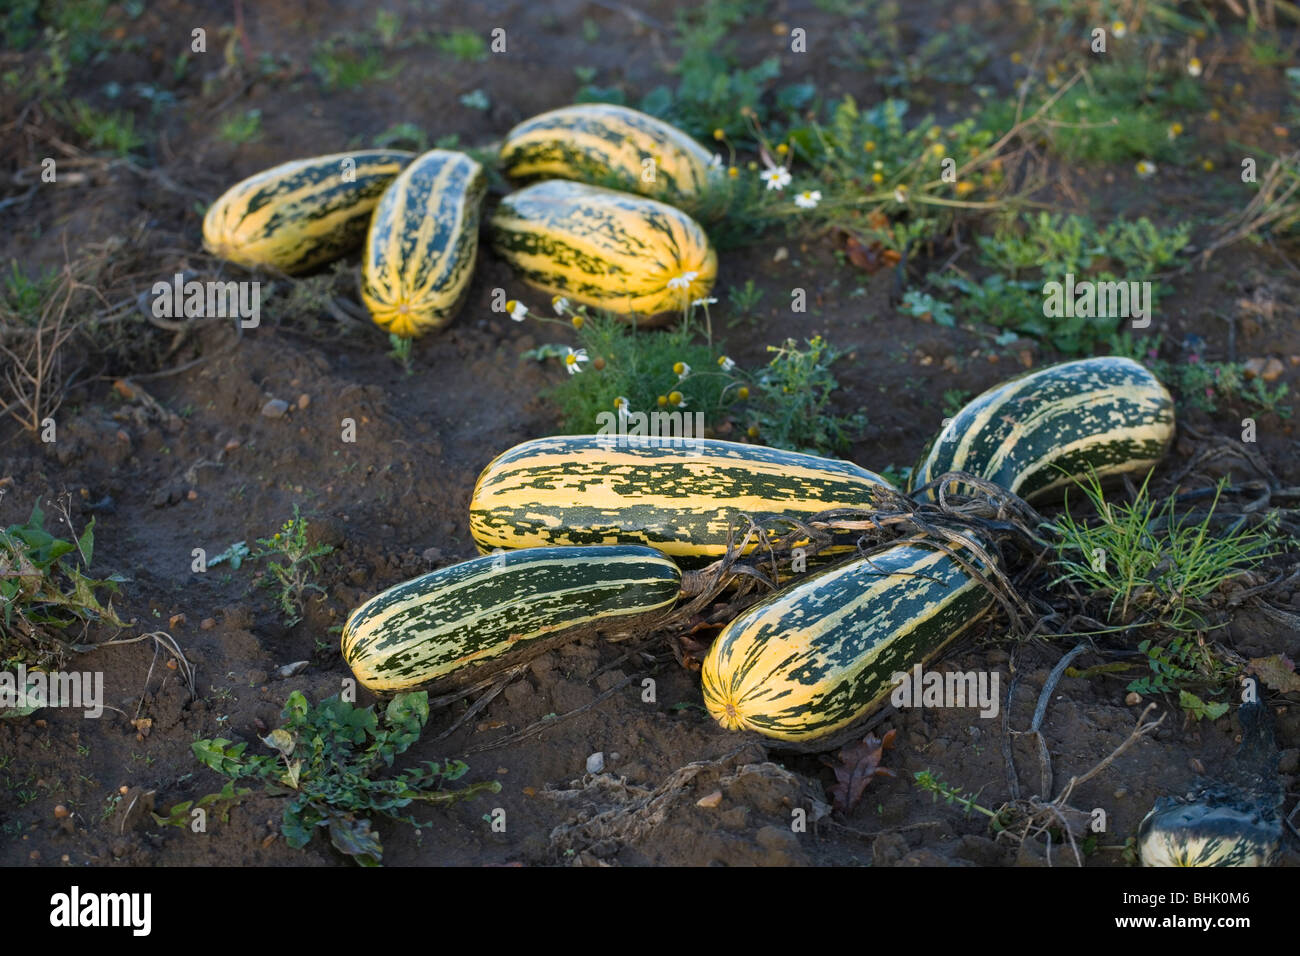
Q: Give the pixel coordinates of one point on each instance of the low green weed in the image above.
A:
(326, 762)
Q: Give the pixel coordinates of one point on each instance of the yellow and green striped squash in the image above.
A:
(1208, 833)
(423, 243)
(821, 653)
(1038, 433)
(608, 145)
(463, 621)
(299, 215)
(678, 496)
(603, 248)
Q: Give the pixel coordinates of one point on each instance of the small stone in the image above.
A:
(781, 254)
(431, 555)
(596, 762)
(275, 408)
(1026, 358)
(176, 620)
(208, 623)
(65, 859)
(289, 670)
(230, 445)
(1133, 698)
(304, 400)
(41, 724)
(192, 495)
(1269, 369)
(60, 811)
(710, 801)
(1121, 793)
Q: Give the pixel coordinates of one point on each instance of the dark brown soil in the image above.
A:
(393, 503)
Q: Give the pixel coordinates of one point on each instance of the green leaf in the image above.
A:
(355, 838)
(87, 543)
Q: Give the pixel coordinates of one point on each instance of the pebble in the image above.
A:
(710, 801)
(596, 762)
(1269, 369)
(275, 408)
(1133, 698)
(304, 400)
(60, 812)
(431, 555)
(1196, 765)
(288, 670)
(1121, 793)
(208, 623)
(176, 620)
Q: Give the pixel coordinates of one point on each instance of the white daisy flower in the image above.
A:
(518, 311)
(573, 360)
(708, 300)
(1119, 28)
(808, 199)
(683, 281)
(624, 408)
(900, 194)
(726, 362)
(1194, 67)
(715, 162)
(681, 370)
(1145, 169)
(778, 177)
(560, 304)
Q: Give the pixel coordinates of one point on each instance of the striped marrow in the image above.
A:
(464, 622)
(818, 655)
(678, 496)
(1036, 434)
(1209, 832)
(608, 145)
(422, 244)
(1233, 819)
(301, 214)
(603, 248)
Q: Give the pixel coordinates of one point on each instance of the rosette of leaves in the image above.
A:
(327, 762)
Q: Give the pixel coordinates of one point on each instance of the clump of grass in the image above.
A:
(291, 578)
(239, 128)
(343, 68)
(1026, 251)
(109, 130)
(951, 57)
(85, 24)
(1124, 109)
(326, 762)
(46, 590)
(464, 45)
(1148, 566)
